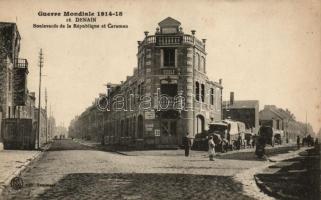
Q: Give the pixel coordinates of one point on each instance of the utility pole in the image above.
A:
(39, 98)
(49, 125)
(46, 101)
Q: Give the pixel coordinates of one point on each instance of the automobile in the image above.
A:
(267, 133)
(220, 135)
(218, 131)
(235, 134)
(278, 137)
(201, 141)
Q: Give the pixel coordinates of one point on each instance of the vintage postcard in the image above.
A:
(149, 99)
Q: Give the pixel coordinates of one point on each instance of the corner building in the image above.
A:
(168, 95)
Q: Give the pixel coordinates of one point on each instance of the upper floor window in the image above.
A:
(203, 64)
(197, 91)
(139, 65)
(169, 57)
(212, 96)
(169, 89)
(203, 92)
(197, 61)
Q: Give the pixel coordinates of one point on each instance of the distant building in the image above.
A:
(51, 127)
(271, 116)
(282, 120)
(246, 111)
(61, 132)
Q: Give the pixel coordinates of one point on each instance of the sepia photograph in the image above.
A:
(151, 99)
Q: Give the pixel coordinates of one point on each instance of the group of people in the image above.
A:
(308, 140)
(211, 146)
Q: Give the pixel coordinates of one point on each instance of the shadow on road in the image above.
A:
(251, 155)
(296, 178)
(67, 144)
(144, 186)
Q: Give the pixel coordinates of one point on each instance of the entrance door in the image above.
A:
(200, 124)
(140, 127)
(168, 132)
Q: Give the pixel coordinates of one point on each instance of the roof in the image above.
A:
(275, 110)
(241, 104)
(169, 22)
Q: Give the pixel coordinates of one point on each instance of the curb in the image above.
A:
(20, 170)
(253, 186)
(266, 189)
(100, 147)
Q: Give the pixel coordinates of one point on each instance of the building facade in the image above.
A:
(13, 72)
(168, 95)
(285, 121)
(15, 100)
(246, 111)
(9, 53)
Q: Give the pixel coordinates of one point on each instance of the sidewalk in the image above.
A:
(292, 178)
(180, 152)
(87, 142)
(13, 162)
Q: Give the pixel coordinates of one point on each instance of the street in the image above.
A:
(69, 170)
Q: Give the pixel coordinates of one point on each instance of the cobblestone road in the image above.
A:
(73, 171)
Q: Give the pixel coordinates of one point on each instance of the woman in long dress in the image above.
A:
(211, 148)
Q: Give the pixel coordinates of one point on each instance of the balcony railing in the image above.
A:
(164, 40)
(21, 63)
(169, 71)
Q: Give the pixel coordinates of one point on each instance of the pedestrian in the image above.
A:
(309, 140)
(187, 144)
(298, 141)
(211, 148)
(253, 140)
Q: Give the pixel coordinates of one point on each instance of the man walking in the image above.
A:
(298, 141)
(211, 148)
(187, 144)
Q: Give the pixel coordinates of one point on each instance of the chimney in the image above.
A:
(220, 81)
(231, 98)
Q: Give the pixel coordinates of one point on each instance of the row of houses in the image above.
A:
(168, 96)
(16, 101)
(248, 112)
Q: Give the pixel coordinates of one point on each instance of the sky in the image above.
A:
(263, 50)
